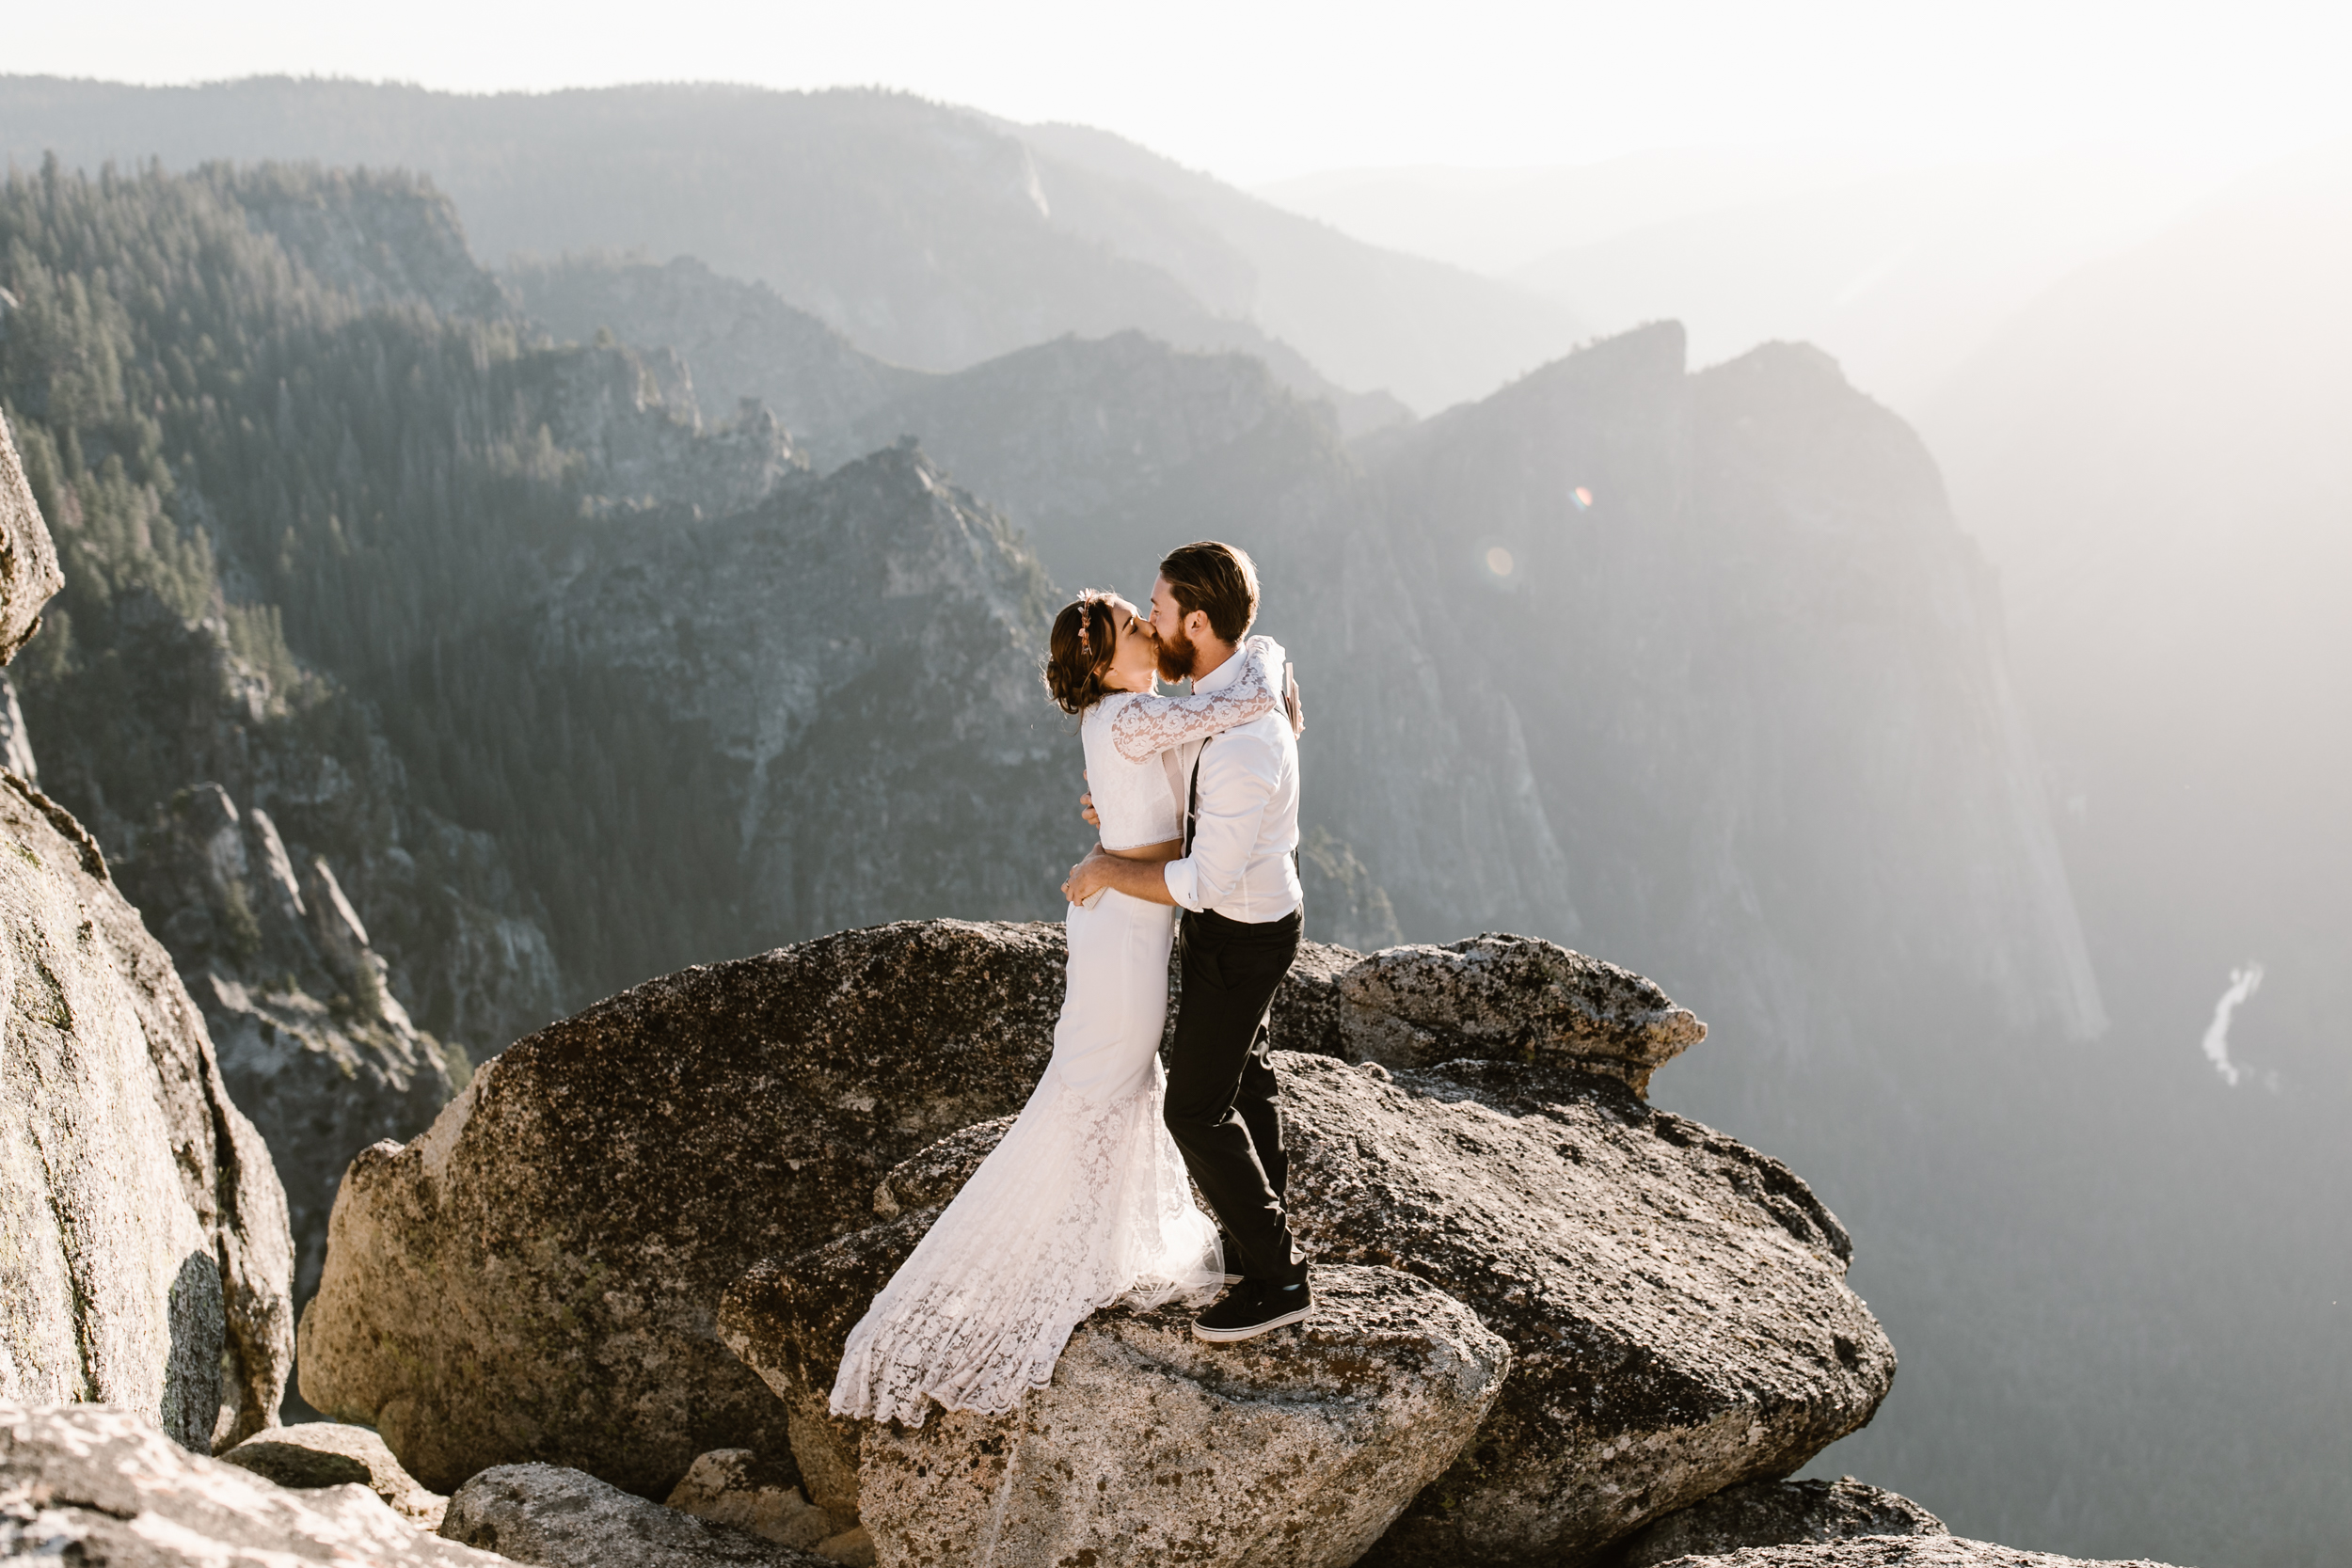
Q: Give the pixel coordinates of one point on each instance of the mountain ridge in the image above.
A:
(922, 231)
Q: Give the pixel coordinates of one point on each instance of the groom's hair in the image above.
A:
(1218, 579)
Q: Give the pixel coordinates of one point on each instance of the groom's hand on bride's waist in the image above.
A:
(1087, 877)
(1101, 870)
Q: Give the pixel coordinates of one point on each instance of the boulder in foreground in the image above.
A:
(1295, 1449)
(736, 1487)
(96, 1484)
(144, 1248)
(1497, 997)
(534, 1277)
(1778, 1513)
(1676, 1303)
(558, 1518)
(316, 1454)
(1898, 1551)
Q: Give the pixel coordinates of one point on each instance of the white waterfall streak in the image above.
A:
(2243, 984)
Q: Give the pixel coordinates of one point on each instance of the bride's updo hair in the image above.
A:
(1079, 656)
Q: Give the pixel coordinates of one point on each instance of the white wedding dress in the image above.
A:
(1085, 1201)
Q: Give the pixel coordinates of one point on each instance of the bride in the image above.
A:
(1085, 1201)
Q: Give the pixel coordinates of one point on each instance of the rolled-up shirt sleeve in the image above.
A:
(1238, 776)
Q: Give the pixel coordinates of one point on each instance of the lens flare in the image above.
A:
(1583, 497)
(1498, 562)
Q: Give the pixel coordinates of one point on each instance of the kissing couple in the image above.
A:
(1087, 1200)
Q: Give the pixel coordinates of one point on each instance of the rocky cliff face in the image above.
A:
(29, 558)
(854, 666)
(378, 239)
(143, 1233)
(312, 1038)
(741, 339)
(1814, 729)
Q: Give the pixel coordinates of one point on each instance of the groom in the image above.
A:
(1238, 884)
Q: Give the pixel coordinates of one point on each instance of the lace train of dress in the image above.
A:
(1086, 1203)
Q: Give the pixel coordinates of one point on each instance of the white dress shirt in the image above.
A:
(1246, 822)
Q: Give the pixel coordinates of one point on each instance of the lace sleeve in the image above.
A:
(1147, 724)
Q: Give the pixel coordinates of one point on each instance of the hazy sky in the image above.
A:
(1258, 90)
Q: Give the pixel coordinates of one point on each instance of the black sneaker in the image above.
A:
(1252, 1308)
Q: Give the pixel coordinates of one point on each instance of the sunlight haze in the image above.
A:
(1253, 93)
(558, 553)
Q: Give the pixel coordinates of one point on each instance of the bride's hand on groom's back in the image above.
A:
(1085, 809)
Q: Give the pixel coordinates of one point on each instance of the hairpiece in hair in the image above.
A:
(1086, 619)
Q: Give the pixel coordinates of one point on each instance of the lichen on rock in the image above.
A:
(534, 1277)
(310, 1455)
(1297, 1448)
(1777, 1514)
(553, 1517)
(97, 1483)
(1493, 997)
(1676, 1303)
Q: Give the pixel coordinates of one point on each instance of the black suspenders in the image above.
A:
(1192, 805)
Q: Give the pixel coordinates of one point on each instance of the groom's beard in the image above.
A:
(1176, 657)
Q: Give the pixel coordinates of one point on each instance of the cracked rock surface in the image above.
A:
(1295, 1449)
(1778, 1513)
(1676, 1302)
(534, 1277)
(93, 1483)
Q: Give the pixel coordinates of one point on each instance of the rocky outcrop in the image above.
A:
(535, 1276)
(143, 1237)
(98, 1485)
(1298, 1448)
(1898, 1551)
(143, 1243)
(798, 651)
(311, 1455)
(1676, 1303)
(553, 1517)
(312, 1042)
(736, 1488)
(1777, 1514)
(633, 419)
(741, 1110)
(1496, 998)
(741, 340)
(29, 558)
(16, 746)
(382, 238)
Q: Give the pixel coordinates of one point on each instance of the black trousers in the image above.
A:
(1223, 1096)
